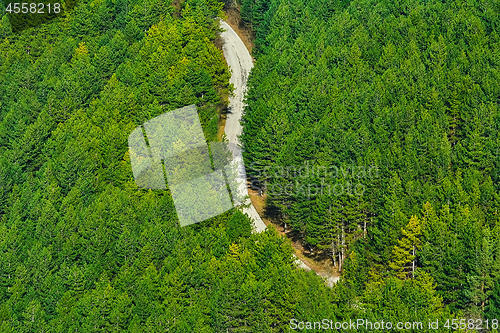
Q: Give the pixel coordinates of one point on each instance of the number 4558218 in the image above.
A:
(471, 324)
(33, 8)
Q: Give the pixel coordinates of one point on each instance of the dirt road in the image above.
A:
(240, 62)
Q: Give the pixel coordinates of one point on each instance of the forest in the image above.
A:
(404, 94)
(410, 89)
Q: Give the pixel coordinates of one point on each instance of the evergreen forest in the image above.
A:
(380, 119)
(373, 126)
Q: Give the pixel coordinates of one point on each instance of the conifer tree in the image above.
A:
(404, 254)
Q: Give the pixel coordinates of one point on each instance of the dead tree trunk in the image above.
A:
(342, 249)
(333, 252)
(340, 254)
(413, 263)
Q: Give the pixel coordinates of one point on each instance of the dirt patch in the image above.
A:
(319, 261)
(222, 125)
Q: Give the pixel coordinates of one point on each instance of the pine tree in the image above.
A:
(5, 27)
(404, 254)
(493, 307)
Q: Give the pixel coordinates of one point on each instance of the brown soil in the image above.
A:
(222, 125)
(320, 262)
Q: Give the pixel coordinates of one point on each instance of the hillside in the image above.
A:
(83, 249)
(373, 129)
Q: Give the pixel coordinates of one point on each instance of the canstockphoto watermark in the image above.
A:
(310, 190)
(309, 170)
(311, 180)
(358, 324)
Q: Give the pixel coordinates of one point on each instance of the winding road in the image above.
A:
(240, 62)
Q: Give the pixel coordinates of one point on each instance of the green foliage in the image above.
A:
(404, 253)
(5, 27)
(401, 98)
(81, 247)
(409, 89)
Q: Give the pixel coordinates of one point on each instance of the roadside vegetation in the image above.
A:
(82, 249)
